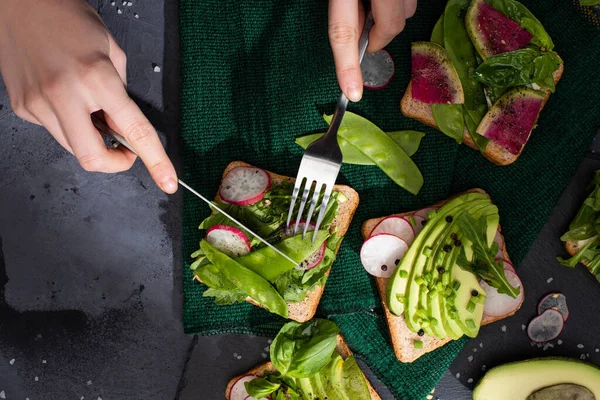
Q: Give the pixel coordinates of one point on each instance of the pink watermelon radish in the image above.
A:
(377, 69)
(243, 186)
(434, 78)
(380, 254)
(316, 257)
(546, 327)
(397, 226)
(500, 305)
(492, 32)
(510, 121)
(228, 240)
(238, 389)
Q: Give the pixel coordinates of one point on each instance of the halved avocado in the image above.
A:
(519, 380)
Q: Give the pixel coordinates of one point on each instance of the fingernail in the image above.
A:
(354, 92)
(169, 185)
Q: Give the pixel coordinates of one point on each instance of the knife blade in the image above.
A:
(104, 128)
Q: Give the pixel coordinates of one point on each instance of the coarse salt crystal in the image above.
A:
(582, 357)
(129, 4)
(580, 346)
(135, 15)
(549, 280)
(89, 383)
(559, 342)
(11, 362)
(112, 3)
(470, 380)
(2, 395)
(523, 327)
(470, 358)
(483, 367)
(481, 345)
(36, 379)
(457, 375)
(239, 357)
(474, 350)
(119, 11)
(156, 68)
(263, 355)
(43, 361)
(503, 328)
(269, 341)
(597, 350)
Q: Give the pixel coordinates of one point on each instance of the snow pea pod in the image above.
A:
(462, 53)
(212, 277)
(270, 264)
(244, 279)
(437, 35)
(384, 152)
(449, 119)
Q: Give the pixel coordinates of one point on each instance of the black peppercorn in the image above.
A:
(384, 267)
(474, 293)
(458, 243)
(441, 270)
(424, 222)
(449, 218)
(453, 236)
(397, 262)
(421, 332)
(447, 248)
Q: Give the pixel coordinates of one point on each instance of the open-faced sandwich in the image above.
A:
(441, 272)
(237, 267)
(309, 361)
(484, 76)
(582, 241)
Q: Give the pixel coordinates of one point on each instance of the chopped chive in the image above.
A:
(470, 323)
(427, 251)
(419, 281)
(412, 221)
(403, 273)
(432, 293)
(448, 291)
(439, 286)
(400, 299)
(431, 214)
(456, 285)
(470, 306)
(428, 277)
(426, 323)
(446, 278)
(418, 344)
(480, 299)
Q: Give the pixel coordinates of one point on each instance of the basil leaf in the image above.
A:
(302, 350)
(519, 13)
(518, 68)
(226, 297)
(449, 119)
(260, 388)
(484, 264)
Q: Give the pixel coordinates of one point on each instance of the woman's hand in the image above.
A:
(346, 19)
(60, 64)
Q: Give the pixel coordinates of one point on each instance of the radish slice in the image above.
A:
(500, 305)
(380, 254)
(244, 185)
(377, 69)
(508, 266)
(238, 389)
(396, 226)
(424, 212)
(556, 302)
(499, 240)
(546, 327)
(316, 257)
(228, 240)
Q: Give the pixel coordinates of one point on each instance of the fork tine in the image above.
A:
(313, 203)
(294, 198)
(305, 193)
(328, 189)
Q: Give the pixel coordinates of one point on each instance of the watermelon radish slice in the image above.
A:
(510, 121)
(238, 389)
(377, 69)
(316, 257)
(492, 32)
(244, 185)
(556, 302)
(397, 226)
(546, 327)
(228, 240)
(380, 254)
(500, 305)
(434, 78)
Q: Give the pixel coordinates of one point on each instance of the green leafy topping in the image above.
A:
(483, 264)
(418, 344)
(226, 297)
(260, 388)
(589, 2)
(519, 13)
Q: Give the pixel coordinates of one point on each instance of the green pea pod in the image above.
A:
(449, 119)
(212, 277)
(270, 264)
(437, 35)
(383, 151)
(462, 53)
(250, 282)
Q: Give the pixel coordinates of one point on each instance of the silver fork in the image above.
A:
(322, 159)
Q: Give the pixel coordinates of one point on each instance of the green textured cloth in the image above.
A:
(257, 74)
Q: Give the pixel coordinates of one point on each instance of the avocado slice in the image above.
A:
(519, 380)
(469, 321)
(450, 325)
(561, 392)
(318, 386)
(305, 386)
(397, 284)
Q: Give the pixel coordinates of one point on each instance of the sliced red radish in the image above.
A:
(244, 185)
(377, 69)
(499, 240)
(424, 212)
(546, 327)
(397, 226)
(508, 266)
(238, 389)
(418, 226)
(556, 302)
(229, 240)
(500, 305)
(380, 254)
(316, 257)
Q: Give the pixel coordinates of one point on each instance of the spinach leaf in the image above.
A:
(449, 119)
(226, 297)
(589, 2)
(483, 264)
(519, 13)
(260, 388)
(463, 55)
(518, 68)
(302, 350)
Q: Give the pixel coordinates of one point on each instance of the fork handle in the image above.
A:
(343, 100)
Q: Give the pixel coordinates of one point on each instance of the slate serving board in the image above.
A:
(506, 341)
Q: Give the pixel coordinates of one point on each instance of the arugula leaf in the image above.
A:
(518, 68)
(577, 258)
(302, 350)
(260, 388)
(483, 264)
(295, 284)
(589, 2)
(226, 297)
(519, 13)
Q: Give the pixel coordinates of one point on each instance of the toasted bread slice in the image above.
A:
(306, 309)
(402, 337)
(494, 152)
(342, 348)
